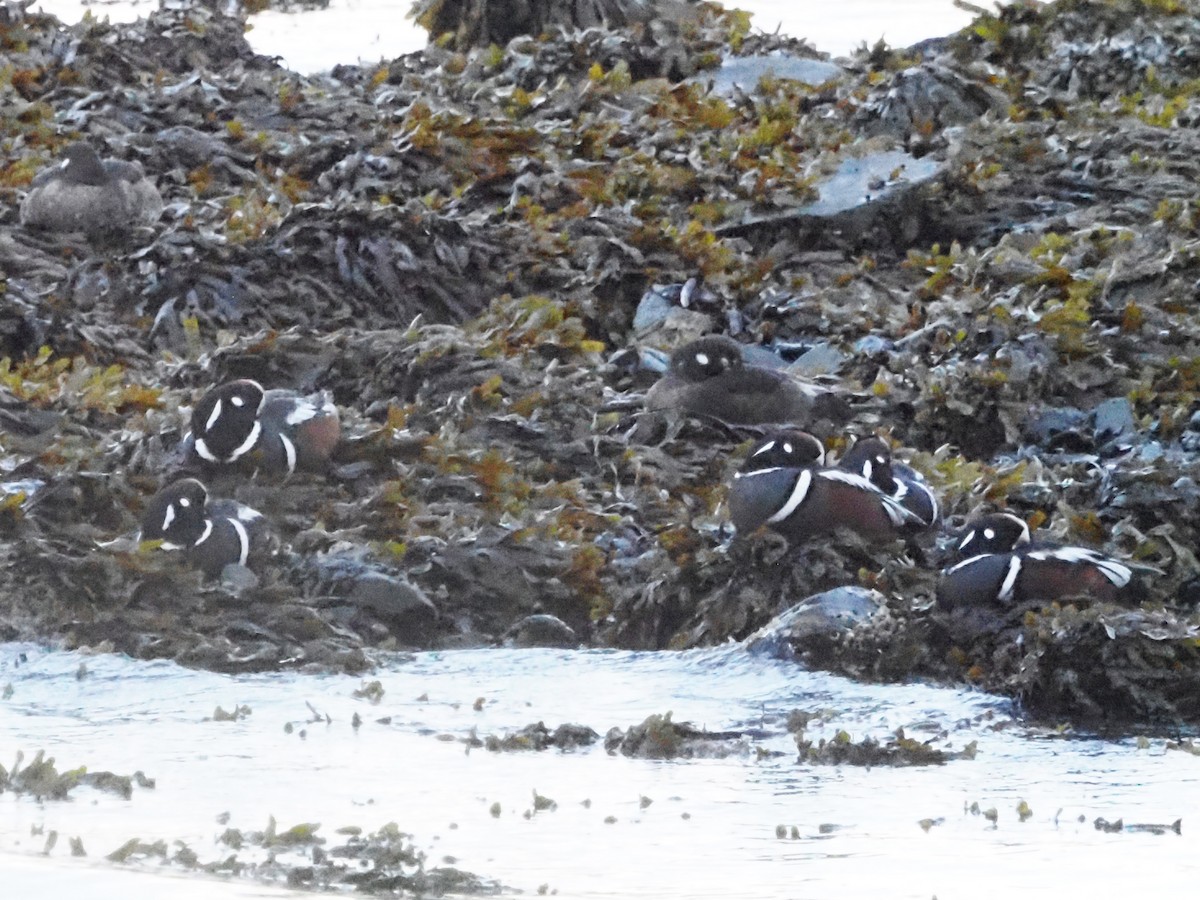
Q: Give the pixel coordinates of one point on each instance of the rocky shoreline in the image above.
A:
(474, 251)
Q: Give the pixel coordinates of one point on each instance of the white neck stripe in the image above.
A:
(204, 534)
(248, 444)
(799, 492)
(243, 540)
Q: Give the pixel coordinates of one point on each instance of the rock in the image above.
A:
(541, 630)
(823, 615)
(393, 599)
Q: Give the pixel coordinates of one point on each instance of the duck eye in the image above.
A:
(237, 401)
(702, 358)
(989, 533)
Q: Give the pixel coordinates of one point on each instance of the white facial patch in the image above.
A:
(169, 517)
(787, 448)
(970, 537)
(799, 492)
(236, 401)
(989, 533)
(702, 358)
(216, 414)
(769, 445)
(185, 502)
(867, 470)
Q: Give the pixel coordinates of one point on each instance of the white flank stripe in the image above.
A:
(1010, 580)
(799, 492)
(897, 513)
(849, 478)
(1118, 574)
(302, 412)
(243, 539)
(289, 450)
(212, 419)
(246, 514)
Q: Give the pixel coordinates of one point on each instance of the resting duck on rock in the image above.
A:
(784, 484)
(710, 377)
(210, 534)
(1000, 564)
(85, 193)
(238, 423)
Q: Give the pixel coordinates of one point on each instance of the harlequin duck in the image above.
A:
(783, 483)
(238, 423)
(84, 193)
(211, 534)
(872, 459)
(1001, 565)
(709, 377)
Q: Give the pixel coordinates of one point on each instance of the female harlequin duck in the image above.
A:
(709, 377)
(872, 459)
(1001, 565)
(212, 535)
(783, 483)
(238, 423)
(84, 193)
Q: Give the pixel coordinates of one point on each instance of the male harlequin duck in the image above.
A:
(84, 193)
(709, 377)
(211, 534)
(1001, 565)
(783, 483)
(872, 459)
(238, 423)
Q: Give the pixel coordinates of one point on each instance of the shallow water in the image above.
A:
(347, 31)
(710, 830)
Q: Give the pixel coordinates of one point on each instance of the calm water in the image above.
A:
(348, 31)
(709, 832)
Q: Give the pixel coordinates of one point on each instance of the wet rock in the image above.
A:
(898, 750)
(541, 630)
(821, 616)
(660, 738)
(539, 737)
(1114, 421)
